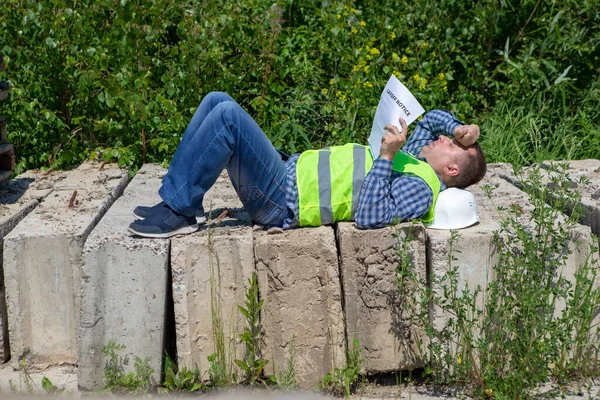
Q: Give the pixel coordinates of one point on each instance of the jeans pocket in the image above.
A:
(260, 207)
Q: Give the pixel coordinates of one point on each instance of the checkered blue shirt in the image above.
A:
(386, 195)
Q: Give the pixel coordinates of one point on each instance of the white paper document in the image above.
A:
(396, 102)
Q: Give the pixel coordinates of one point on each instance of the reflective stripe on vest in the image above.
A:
(341, 167)
(344, 168)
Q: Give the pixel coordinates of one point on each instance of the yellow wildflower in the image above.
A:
(363, 23)
(331, 81)
(393, 35)
(441, 76)
(324, 91)
(395, 56)
(458, 360)
(374, 51)
(489, 392)
(404, 60)
(338, 16)
(354, 30)
(425, 44)
(416, 77)
(366, 69)
(368, 84)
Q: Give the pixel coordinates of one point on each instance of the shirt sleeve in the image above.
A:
(433, 124)
(382, 200)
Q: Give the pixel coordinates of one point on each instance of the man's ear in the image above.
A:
(451, 170)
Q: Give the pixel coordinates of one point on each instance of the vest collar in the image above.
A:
(442, 184)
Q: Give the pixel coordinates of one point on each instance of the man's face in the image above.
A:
(443, 155)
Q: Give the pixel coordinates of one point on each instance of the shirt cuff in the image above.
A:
(452, 125)
(382, 169)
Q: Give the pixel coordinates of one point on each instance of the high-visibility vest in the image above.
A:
(329, 182)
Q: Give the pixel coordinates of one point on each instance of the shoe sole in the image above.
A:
(199, 220)
(181, 231)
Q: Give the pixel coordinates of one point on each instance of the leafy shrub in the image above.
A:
(121, 79)
(116, 379)
(536, 323)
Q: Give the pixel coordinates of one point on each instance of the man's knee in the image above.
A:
(228, 109)
(218, 97)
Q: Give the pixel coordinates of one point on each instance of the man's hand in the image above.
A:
(466, 134)
(393, 140)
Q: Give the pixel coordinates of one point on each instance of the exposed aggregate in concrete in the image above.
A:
(373, 304)
(124, 280)
(42, 263)
(299, 282)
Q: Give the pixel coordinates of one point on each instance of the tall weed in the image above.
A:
(536, 321)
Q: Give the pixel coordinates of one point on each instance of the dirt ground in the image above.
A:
(17, 384)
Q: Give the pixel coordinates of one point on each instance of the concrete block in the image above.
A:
(42, 264)
(299, 282)
(590, 193)
(374, 306)
(17, 199)
(124, 285)
(210, 271)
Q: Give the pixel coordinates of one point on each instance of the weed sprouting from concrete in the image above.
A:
(25, 378)
(252, 365)
(343, 381)
(181, 379)
(286, 379)
(116, 380)
(50, 388)
(218, 371)
(536, 320)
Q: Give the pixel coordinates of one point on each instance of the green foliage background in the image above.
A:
(121, 78)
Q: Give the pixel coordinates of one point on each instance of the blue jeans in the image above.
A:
(222, 135)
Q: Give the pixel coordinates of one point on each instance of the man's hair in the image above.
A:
(472, 167)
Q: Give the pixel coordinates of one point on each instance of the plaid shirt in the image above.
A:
(386, 195)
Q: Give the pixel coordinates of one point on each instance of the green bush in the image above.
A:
(121, 79)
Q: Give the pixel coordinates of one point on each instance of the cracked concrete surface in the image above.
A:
(42, 264)
(124, 285)
(299, 282)
(374, 307)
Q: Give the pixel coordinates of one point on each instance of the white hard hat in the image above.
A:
(454, 209)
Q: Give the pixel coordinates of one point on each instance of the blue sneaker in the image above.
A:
(143, 212)
(163, 223)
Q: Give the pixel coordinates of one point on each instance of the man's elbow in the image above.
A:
(365, 223)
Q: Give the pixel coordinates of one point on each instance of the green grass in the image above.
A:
(542, 127)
